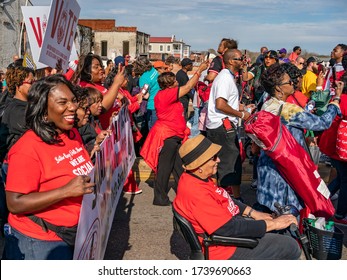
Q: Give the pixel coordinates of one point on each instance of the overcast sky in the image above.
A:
(316, 26)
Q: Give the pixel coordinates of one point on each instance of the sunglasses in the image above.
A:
(214, 158)
(239, 58)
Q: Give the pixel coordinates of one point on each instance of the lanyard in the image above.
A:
(232, 74)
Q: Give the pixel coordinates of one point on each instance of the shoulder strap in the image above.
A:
(280, 110)
(38, 221)
(44, 224)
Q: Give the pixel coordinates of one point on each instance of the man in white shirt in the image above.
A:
(223, 115)
(335, 72)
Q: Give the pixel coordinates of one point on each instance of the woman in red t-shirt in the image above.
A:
(90, 73)
(211, 210)
(47, 175)
(160, 150)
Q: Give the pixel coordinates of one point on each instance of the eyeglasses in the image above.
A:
(290, 82)
(269, 56)
(214, 158)
(301, 63)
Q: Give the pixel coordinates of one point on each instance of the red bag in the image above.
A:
(341, 140)
(327, 140)
(242, 151)
(280, 145)
(203, 90)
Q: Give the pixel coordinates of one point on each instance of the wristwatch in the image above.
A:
(338, 99)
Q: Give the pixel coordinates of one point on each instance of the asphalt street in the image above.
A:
(142, 231)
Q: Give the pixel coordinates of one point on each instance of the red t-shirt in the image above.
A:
(35, 166)
(169, 109)
(207, 207)
(298, 98)
(171, 122)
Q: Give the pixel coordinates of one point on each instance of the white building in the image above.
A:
(162, 47)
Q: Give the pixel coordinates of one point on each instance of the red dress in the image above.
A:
(171, 122)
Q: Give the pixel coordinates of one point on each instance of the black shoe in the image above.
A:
(254, 184)
(162, 203)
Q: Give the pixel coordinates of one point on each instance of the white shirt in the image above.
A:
(338, 67)
(223, 86)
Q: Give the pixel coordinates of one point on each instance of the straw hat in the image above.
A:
(196, 151)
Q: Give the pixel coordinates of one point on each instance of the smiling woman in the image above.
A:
(48, 195)
(90, 73)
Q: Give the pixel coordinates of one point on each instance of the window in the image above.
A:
(104, 48)
(161, 48)
(126, 47)
(168, 48)
(150, 48)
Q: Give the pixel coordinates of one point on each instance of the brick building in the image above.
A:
(110, 40)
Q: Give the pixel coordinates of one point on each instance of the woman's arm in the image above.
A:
(112, 92)
(307, 120)
(19, 203)
(183, 90)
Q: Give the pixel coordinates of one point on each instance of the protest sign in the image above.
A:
(112, 166)
(61, 28)
(35, 19)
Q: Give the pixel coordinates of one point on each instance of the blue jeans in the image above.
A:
(341, 180)
(255, 165)
(3, 205)
(194, 120)
(21, 247)
(151, 118)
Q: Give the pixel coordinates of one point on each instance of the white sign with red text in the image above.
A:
(112, 165)
(36, 18)
(60, 33)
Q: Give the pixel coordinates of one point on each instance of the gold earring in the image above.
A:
(200, 170)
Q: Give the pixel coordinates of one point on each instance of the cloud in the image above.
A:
(314, 26)
(118, 12)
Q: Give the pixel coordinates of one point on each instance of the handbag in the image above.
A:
(67, 234)
(313, 148)
(321, 99)
(341, 140)
(291, 160)
(327, 140)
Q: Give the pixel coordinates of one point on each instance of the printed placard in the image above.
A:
(61, 29)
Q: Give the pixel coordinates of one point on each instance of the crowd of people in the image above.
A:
(46, 114)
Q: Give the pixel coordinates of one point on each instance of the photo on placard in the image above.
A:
(102, 167)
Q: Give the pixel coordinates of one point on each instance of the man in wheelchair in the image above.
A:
(212, 211)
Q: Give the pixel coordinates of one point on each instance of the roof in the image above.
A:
(160, 39)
